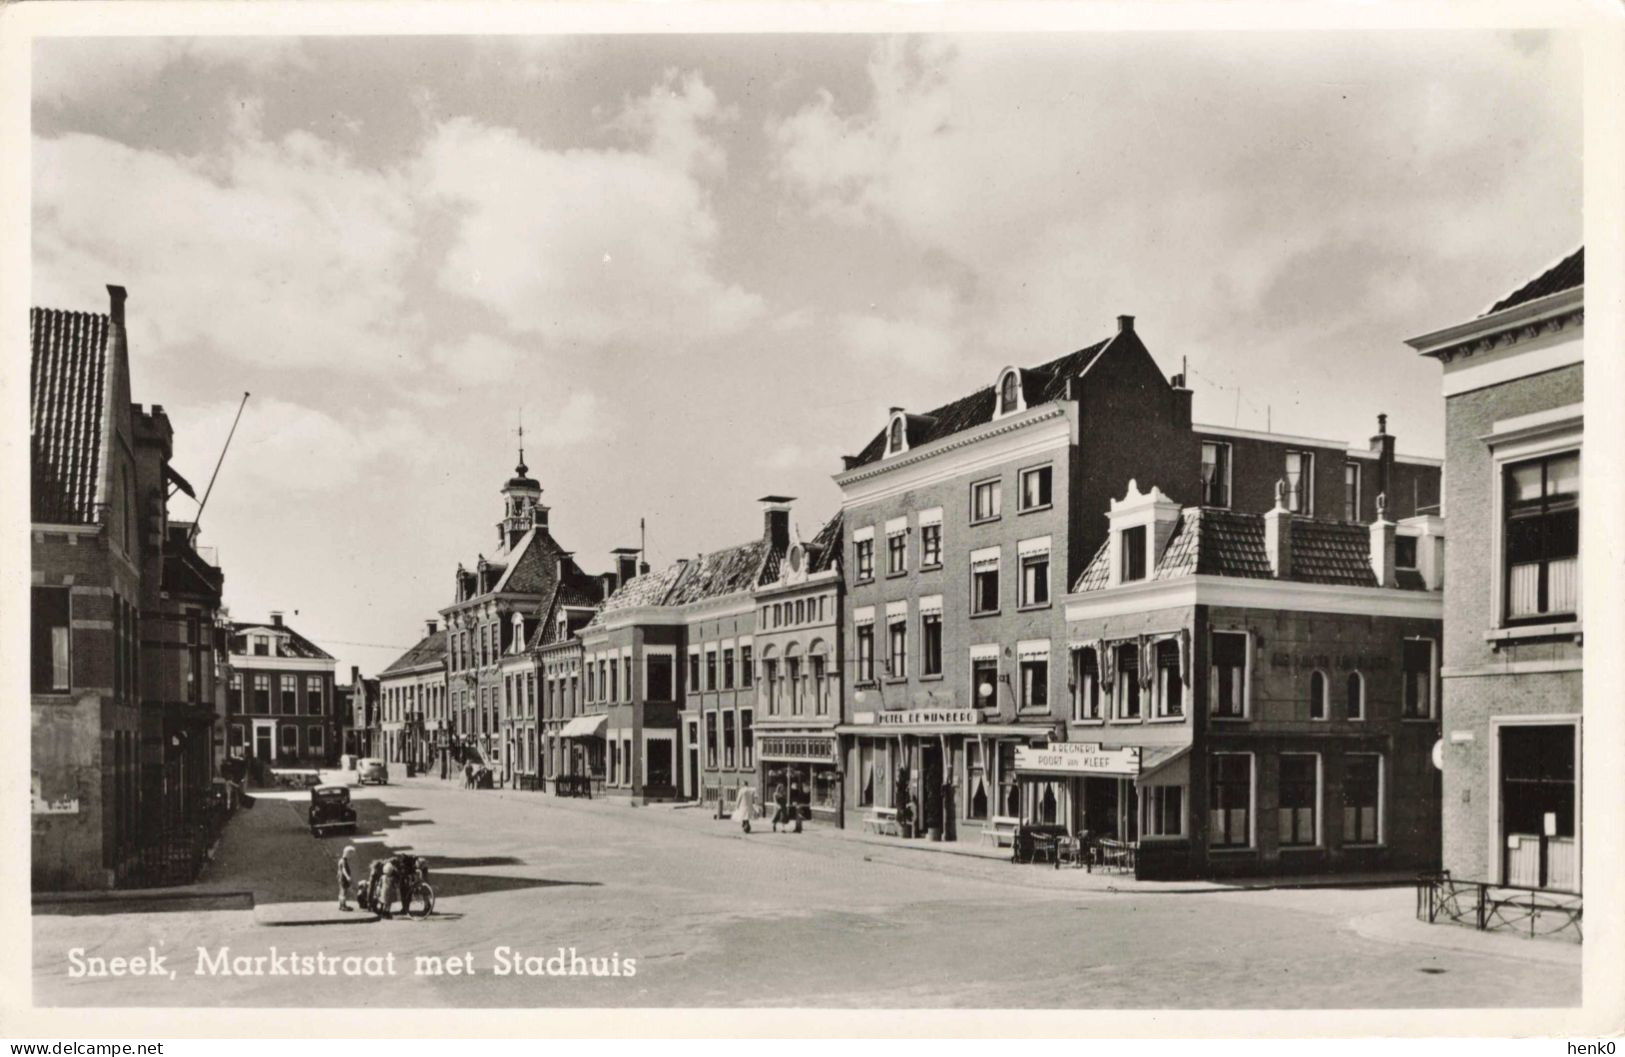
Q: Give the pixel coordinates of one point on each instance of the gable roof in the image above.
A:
(68, 377)
(1208, 541)
(824, 552)
(1564, 275)
(297, 645)
(1039, 385)
(431, 649)
(720, 573)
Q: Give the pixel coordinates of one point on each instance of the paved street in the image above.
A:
(713, 917)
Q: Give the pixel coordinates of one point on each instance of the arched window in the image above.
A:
(896, 436)
(1317, 695)
(1007, 393)
(1356, 696)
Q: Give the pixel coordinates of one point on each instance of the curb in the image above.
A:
(142, 895)
(1396, 927)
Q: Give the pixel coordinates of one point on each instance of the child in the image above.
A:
(344, 877)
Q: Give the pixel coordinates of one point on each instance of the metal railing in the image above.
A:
(1499, 908)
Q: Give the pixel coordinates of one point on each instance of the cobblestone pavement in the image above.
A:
(710, 916)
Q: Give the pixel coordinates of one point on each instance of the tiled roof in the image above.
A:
(650, 589)
(1565, 274)
(296, 644)
(1331, 552)
(431, 649)
(1039, 385)
(720, 573)
(825, 549)
(68, 379)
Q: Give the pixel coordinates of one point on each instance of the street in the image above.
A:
(707, 916)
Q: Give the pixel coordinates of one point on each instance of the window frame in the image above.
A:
(1086, 686)
(1022, 475)
(1304, 495)
(1126, 685)
(931, 546)
(1131, 554)
(1226, 464)
(1023, 561)
(1317, 677)
(1167, 674)
(995, 487)
(1505, 516)
(1353, 515)
(1317, 819)
(863, 560)
(1382, 789)
(863, 645)
(1025, 702)
(1405, 711)
(976, 573)
(1246, 695)
(930, 646)
(897, 553)
(1251, 842)
(1355, 679)
(1154, 808)
(897, 647)
(44, 649)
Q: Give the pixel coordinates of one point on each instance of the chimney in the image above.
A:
(115, 304)
(626, 564)
(1383, 444)
(776, 520)
(1428, 532)
(1125, 324)
(432, 625)
(276, 618)
(643, 568)
(355, 674)
(1278, 534)
(563, 564)
(1382, 546)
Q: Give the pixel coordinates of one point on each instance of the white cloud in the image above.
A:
(921, 332)
(89, 70)
(587, 247)
(580, 419)
(478, 359)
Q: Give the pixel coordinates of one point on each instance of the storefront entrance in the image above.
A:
(804, 767)
(931, 791)
(1538, 799)
(659, 762)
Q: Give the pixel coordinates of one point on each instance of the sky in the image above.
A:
(699, 269)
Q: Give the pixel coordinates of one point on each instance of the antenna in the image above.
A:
(643, 540)
(198, 519)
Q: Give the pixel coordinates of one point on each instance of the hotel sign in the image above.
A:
(920, 717)
(798, 748)
(1079, 757)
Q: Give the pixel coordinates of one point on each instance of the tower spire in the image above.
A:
(522, 468)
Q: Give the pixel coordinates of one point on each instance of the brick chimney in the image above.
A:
(1382, 546)
(432, 625)
(116, 296)
(276, 618)
(1278, 534)
(355, 674)
(626, 564)
(776, 520)
(1382, 443)
(1125, 324)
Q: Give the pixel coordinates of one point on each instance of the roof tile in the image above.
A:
(68, 379)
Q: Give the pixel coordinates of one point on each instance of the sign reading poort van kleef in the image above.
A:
(1078, 757)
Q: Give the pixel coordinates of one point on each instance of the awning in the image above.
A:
(1165, 765)
(585, 727)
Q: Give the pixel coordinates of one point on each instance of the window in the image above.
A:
(897, 648)
(984, 500)
(896, 554)
(1230, 800)
(801, 611)
(313, 737)
(820, 684)
(1009, 394)
(1227, 676)
(1215, 474)
(1416, 671)
(895, 436)
(728, 739)
(1035, 579)
(1300, 799)
(290, 740)
(1354, 696)
(976, 787)
(51, 639)
(931, 644)
(866, 652)
(1035, 682)
(694, 673)
(614, 685)
(1009, 790)
(1317, 695)
(1128, 681)
(657, 668)
(1086, 685)
(234, 698)
(770, 683)
(262, 693)
(710, 669)
(313, 697)
(1542, 538)
(626, 681)
(728, 668)
(930, 545)
(792, 671)
(747, 739)
(1035, 487)
(984, 681)
(1164, 810)
(1404, 552)
(1131, 542)
(615, 762)
(290, 696)
(262, 646)
(1362, 799)
(1351, 491)
(866, 774)
(1300, 483)
(866, 559)
(745, 672)
(1170, 687)
(711, 740)
(985, 581)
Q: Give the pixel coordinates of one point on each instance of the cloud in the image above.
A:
(922, 332)
(478, 359)
(589, 247)
(579, 420)
(86, 71)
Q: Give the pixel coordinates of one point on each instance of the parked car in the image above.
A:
(371, 769)
(330, 809)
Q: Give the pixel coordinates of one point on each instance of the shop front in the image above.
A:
(807, 767)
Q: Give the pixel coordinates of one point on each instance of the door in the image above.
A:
(693, 776)
(263, 748)
(1538, 849)
(659, 762)
(931, 786)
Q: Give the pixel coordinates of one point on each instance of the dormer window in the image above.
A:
(896, 434)
(1010, 397)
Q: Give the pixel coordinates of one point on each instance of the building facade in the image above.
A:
(362, 732)
(411, 692)
(1513, 382)
(280, 705)
(1249, 694)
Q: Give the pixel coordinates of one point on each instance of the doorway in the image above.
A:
(1538, 796)
(692, 779)
(931, 787)
(659, 751)
(264, 748)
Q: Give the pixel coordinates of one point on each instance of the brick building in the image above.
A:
(1513, 382)
(1248, 693)
(411, 693)
(360, 736)
(568, 748)
(281, 709)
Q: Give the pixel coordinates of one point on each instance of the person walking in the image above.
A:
(745, 807)
(345, 878)
(780, 812)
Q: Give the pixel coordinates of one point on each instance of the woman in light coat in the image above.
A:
(745, 807)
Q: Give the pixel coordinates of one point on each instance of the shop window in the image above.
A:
(728, 739)
(657, 676)
(1298, 808)
(930, 545)
(1086, 685)
(1170, 687)
(865, 563)
(1351, 491)
(984, 681)
(897, 649)
(1215, 474)
(866, 653)
(1164, 810)
(1541, 538)
(1035, 682)
(51, 637)
(931, 644)
(1362, 799)
(746, 674)
(1317, 695)
(1416, 671)
(1300, 482)
(1131, 544)
(1230, 800)
(1128, 681)
(896, 554)
(985, 586)
(1036, 487)
(289, 699)
(976, 789)
(1227, 676)
(1009, 788)
(711, 740)
(985, 504)
(1035, 579)
(1354, 696)
(866, 774)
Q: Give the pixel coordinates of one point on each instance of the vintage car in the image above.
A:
(371, 769)
(330, 809)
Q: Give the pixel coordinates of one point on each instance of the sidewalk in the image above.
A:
(1401, 927)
